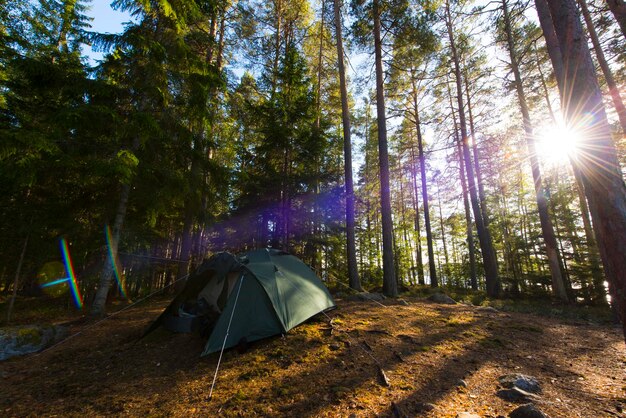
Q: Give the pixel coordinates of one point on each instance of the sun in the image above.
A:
(556, 144)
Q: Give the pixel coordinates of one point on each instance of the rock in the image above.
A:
(402, 302)
(527, 411)
(461, 383)
(365, 296)
(467, 415)
(487, 309)
(384, 380)
(521, 381)
(424, 407)
(516, 394)
(18, 341)
(442, 298)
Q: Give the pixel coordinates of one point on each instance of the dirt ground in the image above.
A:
(319, 370)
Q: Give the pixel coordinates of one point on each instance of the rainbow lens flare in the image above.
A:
(50, 268)
(67, 279)
(121, 283)
(69, 268)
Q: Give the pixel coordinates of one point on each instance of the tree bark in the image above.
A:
(552, 42)
(489, 257)
(353, 273)
(606, 71)
(390, 286)
(599, 290)
(16, 282)
(547, 230)
(418, 249)
(429, 234)
(597, 159)
(99, 303)
(422, 162)
(466, 204)
(618, 8)
(446, 268)
(479, 176)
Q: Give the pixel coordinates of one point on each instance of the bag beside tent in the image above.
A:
(266, 292)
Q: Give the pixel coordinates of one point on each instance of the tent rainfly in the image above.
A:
(259, 294)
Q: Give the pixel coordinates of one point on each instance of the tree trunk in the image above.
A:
(618, 8)
(353, 273)
(99, 303)
(597, 159)
(16, 282)
(489, 257)
(466, 204)
(547, 230)
(405, 238)
(552, 43)
(414, 168)
(606, 71)
(599, 290)
(416, 207)
(429, 234)
(446, 268)
(390, 286)
(479, 176)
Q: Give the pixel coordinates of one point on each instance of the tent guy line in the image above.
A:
(356, 291)
(219, 360)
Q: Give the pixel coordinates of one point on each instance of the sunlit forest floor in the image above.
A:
(317, 370)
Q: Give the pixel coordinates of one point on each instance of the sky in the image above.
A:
(105, 20)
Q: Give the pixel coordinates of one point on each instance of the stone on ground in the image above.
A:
(527, 411)
(521, 381)
(467, 415)
(21, 340)
(442, 298)
(516, 394)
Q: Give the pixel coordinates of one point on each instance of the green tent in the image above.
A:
(258, 294)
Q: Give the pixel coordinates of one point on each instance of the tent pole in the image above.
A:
(230, 320)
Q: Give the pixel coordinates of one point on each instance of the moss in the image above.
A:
(458, 320)
(255, 372)
(493, 342)
(471, 334)
(282, 391)
(29, 336)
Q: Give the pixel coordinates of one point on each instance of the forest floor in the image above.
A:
(323, 370)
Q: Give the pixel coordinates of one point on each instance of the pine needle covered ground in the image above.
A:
(425, 349)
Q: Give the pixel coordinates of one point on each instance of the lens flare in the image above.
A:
(55, 282)
(557, 144)
(69, 268)
(121, 283)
